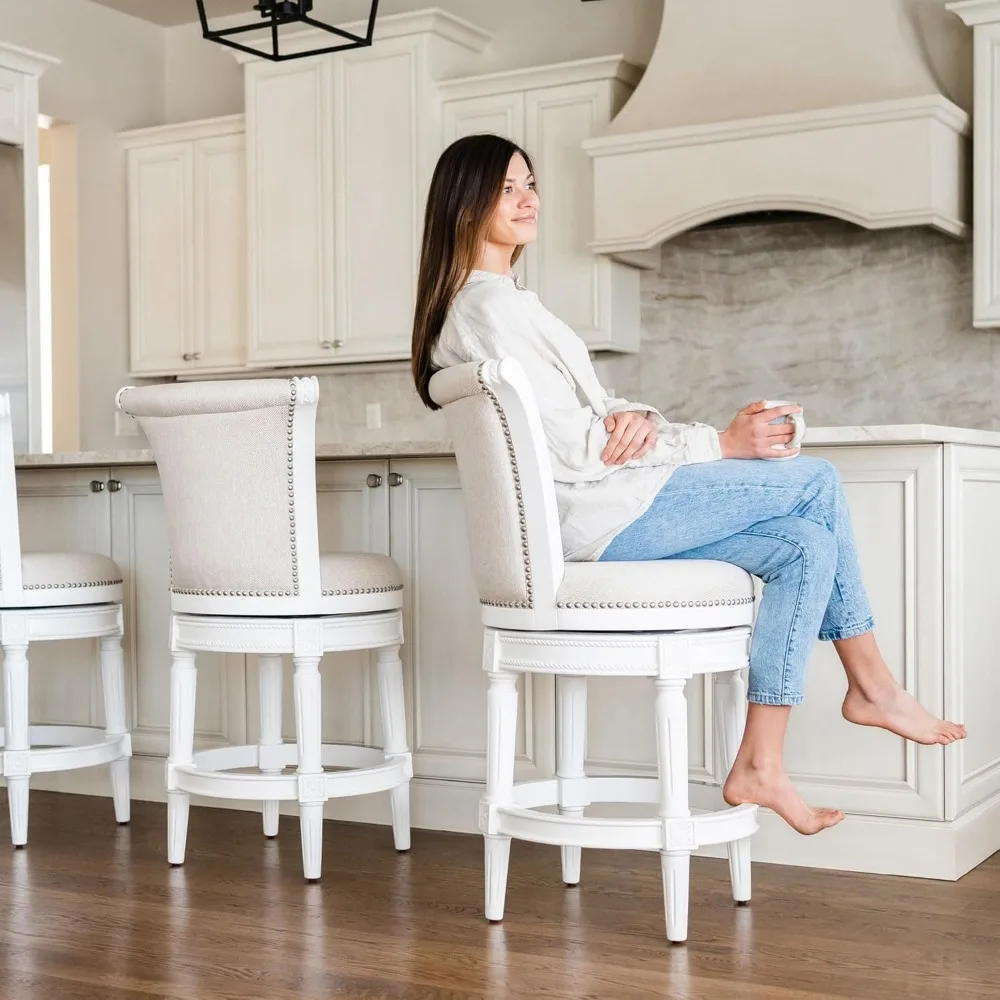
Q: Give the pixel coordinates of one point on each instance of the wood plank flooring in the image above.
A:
(91, 911)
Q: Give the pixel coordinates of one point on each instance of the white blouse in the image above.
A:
(494, 316)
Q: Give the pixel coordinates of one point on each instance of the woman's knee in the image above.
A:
(806, 542)
(820, 469)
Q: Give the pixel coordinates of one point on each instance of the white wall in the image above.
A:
(112, 77)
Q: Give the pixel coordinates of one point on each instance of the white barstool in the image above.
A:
(666, 620)
(46, 596)
(238, 468)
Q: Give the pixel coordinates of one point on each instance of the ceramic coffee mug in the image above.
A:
(791, 418)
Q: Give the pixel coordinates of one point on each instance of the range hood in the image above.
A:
(818, 106)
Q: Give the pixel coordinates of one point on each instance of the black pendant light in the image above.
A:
(277, 14)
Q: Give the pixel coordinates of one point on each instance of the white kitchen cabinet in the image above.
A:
(550, 111)
(340, 151)
(984, 18)
(187, 247)
(65, 510)
(11, 106)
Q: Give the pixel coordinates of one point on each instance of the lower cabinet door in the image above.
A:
(65, 510)
(444, 634)
(139, 545)
(895, 499)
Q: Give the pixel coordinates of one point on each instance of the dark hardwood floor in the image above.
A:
(91, 911)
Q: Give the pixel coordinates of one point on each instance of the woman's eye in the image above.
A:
(508, 189)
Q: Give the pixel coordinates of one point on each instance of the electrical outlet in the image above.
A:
(125, 425)
(373, 416)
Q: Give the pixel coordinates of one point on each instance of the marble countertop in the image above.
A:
(887, 434)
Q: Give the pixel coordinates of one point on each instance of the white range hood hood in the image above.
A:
(822, 106)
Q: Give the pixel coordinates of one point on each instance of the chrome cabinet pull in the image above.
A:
(374, 480)
(114, 485)
(96, 486)
(395, 479)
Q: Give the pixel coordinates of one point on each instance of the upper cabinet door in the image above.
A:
(501, 114)
(290, 210)
(380, 176)
(11, 107)
(596, 296)
(220, 251)
(161, 256)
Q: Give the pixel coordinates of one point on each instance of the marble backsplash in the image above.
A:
(858, 326)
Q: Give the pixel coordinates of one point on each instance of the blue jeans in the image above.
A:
(785, 522)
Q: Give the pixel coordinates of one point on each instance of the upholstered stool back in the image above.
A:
(514, 535)
(238, 468)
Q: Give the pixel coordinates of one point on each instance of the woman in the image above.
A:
(633, 486)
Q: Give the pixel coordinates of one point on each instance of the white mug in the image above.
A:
(790, 418)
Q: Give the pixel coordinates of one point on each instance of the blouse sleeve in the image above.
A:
(574, 432)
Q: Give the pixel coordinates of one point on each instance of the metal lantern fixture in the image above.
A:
(277, 14)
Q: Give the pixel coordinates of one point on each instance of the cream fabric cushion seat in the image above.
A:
(359, 581)
(56, 579)
(664, 594)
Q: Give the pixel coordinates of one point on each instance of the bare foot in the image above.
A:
(899, 712)
(773, 789)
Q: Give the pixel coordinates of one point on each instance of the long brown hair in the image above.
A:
(467, 184)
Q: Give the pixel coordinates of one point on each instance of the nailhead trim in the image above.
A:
(611, 605)
(525, 553)
(64, 586)
(363, 590)
(293, 386)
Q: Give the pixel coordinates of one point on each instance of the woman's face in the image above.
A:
(515, 219)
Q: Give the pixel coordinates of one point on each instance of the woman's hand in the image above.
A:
(751, 434)
(632, 434)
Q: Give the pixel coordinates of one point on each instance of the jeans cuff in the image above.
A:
(848, 631)
(758, 698)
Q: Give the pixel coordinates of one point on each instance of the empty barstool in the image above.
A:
(238, 468)
(46, 597)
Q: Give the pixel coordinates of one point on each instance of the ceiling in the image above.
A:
(169, 12)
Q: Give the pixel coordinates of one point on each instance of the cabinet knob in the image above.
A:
(114, 485)
(374, 480)
(96, 486)
(395, 479)
(330, 344)
(188, 357)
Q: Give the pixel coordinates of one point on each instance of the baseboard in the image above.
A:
(876, 845)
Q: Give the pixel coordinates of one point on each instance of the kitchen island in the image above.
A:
(923, 502)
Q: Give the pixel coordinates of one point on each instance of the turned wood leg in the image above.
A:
(269, 670)
(730, 718)
(312, 783)
(571, 750)
(17, 746)
(393, 705)
(183, 686)
(672, 764)
(116, 720)
(501, 701)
